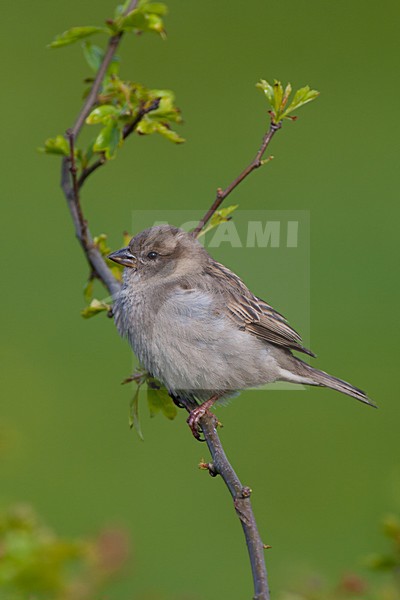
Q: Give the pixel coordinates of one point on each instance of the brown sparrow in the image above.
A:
(196, 327)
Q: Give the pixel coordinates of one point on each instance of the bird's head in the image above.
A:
(161, 251)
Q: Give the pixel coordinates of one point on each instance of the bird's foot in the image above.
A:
(194, 417)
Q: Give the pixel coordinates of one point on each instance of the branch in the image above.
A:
(128, 129)
(241, 499)
(71, 185)
(69, 182)
(255, 164)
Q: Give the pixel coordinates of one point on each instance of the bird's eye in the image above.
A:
(152, 255)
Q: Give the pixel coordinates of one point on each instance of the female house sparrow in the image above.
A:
(196, 327)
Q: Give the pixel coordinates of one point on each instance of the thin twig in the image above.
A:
(255, 164)
(241, 500)
(71, 185)
(75, 188)
(92, 96)
(69, 182)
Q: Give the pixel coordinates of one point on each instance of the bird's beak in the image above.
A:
(124, 257)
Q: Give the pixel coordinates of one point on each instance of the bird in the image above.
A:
(196, 327)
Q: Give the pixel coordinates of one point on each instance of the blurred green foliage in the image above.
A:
(38, 564)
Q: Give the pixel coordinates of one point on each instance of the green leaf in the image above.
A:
(94, 308)
(267, 89)
(143, 19)
(100, 242)
(58, 145)
(108, 140)
(147, 126)
(134, 413)
(278, 99)
(220, 216)
(278, 95)
(159, 400)
(158, 8)
(166, 108)
(103, 114)
(73, 35)
(301, 97)
(93, 54)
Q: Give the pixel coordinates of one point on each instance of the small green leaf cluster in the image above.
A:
(220, 216)
(158, 399)
(124, 104)
(36, 563)
(278, 99)
(96, 306)
(121, 106)
(146, 17)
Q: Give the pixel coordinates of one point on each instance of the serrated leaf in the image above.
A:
(58, 145)
(103, 114)
(301, 97)
(108, 140)
(149, 125)
(134, 413)
(278, 99)
(220, 216)
(74, 34)
(94, 308)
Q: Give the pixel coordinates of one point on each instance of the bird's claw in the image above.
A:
(193, 421)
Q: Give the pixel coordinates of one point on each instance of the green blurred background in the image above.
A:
(323, 467)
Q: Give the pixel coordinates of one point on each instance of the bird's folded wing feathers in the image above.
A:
(251, 313)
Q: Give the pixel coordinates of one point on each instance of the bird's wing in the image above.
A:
(251, 313)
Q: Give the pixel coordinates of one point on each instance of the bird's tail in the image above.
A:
(312, 376)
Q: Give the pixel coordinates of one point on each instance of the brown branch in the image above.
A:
(255, 164)
(70, 183)
(92, 96)
(241, 500)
